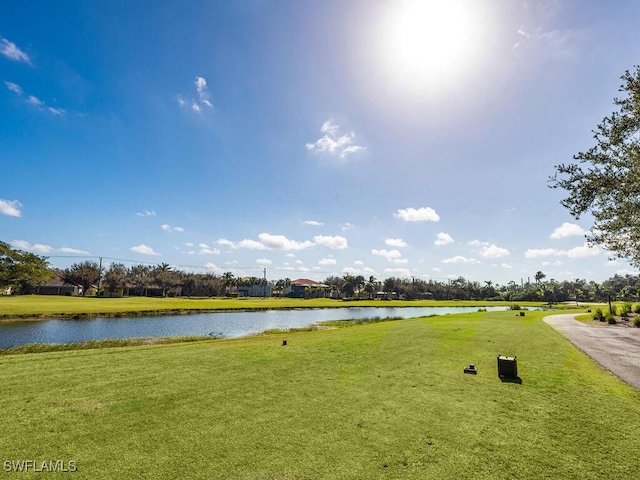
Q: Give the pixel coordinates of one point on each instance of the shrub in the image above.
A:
(626, 308)
(636, 308)
(514, 306)
(636, 321)
(609, 317)
(598, 315)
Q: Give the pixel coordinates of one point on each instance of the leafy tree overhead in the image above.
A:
(21, 270)
(83, 274)
(605, 180)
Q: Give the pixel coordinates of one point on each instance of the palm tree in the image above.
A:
(165, 277)
(227, 280)
(359, 284)
(349, 285)
(370, 287)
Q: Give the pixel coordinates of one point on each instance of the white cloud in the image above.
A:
(506, 265)
(206, 250)
(567, 230)
(337, 242)
(143, 249)
(188, 244)
(11, 51)
(10, 208)
(388, 254)
(583, 251)
(400, 261)
(212, 267)
(333, 144)
(57, 111)
(358, 262)
(21, 244)
(36, 247)
(576, 252)
(203, 92)
(290, 255)
(327, 261)
(346, 226)
(351, 271)
(443, 239)
(263, 261)
(423, 214)
(14, 87)
(146, 213)
(460, 259)
(33, 100)
(493, 251)
(73, 251)
(399, 272)
(250, 245)
(169, 228)
(280, 242)
(313, 223)
(358, 271)
(540, 252)
(558, 42)
(395, 242)
(202, 96)
(268, 241)
(223, 242)
(46, 249)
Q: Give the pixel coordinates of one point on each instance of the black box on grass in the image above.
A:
(507, 367)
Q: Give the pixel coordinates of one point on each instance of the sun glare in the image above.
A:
(430, 44)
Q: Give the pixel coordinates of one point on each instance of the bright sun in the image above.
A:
(428, 44)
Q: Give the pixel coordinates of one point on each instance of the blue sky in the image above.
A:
(385, 138)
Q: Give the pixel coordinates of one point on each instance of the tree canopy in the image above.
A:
(22, 270)
(605, 180)
(83, 274)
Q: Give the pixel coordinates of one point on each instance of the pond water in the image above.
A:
(222, 324)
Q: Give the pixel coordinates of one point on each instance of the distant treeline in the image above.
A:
(23, 272)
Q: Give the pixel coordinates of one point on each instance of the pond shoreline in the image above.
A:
(30, 317)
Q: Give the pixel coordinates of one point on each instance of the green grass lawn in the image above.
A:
(385, 400)
(42, 305)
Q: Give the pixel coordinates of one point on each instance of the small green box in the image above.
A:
(507, 367)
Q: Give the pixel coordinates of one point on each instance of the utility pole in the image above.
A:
(264, 284)
(99, 277)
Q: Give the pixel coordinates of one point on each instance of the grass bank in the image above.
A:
(36, 306)
(383, 400)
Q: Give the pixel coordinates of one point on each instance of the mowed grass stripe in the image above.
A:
(386, 400)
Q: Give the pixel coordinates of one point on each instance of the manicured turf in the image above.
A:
(36, 305)
(386, 400)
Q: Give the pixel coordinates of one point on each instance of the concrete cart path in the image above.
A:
(615, 348)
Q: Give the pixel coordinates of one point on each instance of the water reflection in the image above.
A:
(227, 324)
